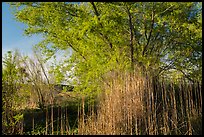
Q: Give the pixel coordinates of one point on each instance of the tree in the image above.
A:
(12, 96)
(25, 82)
(117, 36)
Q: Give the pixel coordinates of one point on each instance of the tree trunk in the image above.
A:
(52, 121)
(61, 122)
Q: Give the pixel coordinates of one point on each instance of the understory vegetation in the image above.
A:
(126, 68)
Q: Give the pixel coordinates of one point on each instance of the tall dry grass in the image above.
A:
(135, 105)
(120, 108)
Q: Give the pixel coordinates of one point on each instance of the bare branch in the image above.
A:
(42, 67)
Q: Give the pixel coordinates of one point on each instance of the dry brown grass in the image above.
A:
(131, 104)
(120, 107)
(134, 105)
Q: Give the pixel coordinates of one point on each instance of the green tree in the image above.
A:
(117, 36)
(11, 96)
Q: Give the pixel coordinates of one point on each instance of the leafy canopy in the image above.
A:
(117, 36)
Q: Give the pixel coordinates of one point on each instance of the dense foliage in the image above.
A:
(12, 79)
(161, 38)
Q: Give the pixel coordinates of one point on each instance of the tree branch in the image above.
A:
(145, 29)
(55, 35)
(42, 67)
(71, 13)
(153, 45)
(190, 79)
(97, 14)
(150, 33)
(166, 9)
(95, 10)
(166, 67)
(131, 38)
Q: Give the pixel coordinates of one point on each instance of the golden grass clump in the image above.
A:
(136, 105)
(120, 107)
